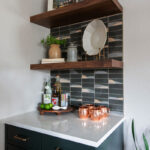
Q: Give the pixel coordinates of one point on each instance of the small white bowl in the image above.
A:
(64, 108)
(56, 108)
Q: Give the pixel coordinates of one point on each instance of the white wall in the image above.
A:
(20, 88)
(136, 67)
(19, 46)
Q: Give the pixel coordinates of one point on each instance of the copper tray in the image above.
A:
(57, 112)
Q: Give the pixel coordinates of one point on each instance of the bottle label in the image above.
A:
(55, 101)
(63, 100)
(47, 98)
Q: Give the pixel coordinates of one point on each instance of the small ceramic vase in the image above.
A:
(54, 51)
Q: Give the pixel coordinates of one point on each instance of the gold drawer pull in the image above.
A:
(20, 138)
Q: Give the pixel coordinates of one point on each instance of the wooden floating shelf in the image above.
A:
(77, 12)
(101, 64)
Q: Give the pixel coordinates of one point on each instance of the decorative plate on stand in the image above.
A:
(94, 37)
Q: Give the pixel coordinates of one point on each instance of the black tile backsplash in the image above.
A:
(99, 86)
(94, 86)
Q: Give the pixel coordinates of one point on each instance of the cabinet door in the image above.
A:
(114, 141)
(53, 143)
(10, 147)
(24, 139)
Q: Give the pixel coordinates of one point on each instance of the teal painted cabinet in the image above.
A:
(22, 139)
(53, 143)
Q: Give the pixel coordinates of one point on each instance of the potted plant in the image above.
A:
(54, 44)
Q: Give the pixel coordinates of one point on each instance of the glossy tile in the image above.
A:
(76, 89)
(88, 85)
(115, 107)
(101, 81)
(88, 100)
(101, 91)
(75, 76)
(116, 86)
(115, 17)
(88, 95)
(103, 96)
(116, 76)
(88, 81)
(101, 86)
(118, 91)
(103, 76)
(74, 81)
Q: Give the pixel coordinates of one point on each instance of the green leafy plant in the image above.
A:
(49, 40)
(134, 138)
(133, 134)
(145, 142)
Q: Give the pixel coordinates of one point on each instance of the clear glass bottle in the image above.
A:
(47, 93)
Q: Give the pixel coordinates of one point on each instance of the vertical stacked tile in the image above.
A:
(115, 52)
(116, 90)
(88, 92)
(99, 87)
(115, 37)
(76, 87)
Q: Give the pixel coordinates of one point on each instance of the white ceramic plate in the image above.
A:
(94, 37)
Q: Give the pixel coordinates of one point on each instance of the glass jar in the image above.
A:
(72, 53)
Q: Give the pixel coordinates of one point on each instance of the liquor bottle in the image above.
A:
(55, 97)
(58, 88)
(54, 4)
(47, 93)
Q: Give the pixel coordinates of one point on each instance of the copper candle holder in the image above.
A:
(96, 114)
(90, 107)
(105, 111)
(83, 112)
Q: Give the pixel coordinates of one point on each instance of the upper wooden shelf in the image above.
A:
(77, 12)
(101, 64)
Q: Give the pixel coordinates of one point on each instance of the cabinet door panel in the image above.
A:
(10, 147)
(114, 141)
(53, 143)
(23, 138)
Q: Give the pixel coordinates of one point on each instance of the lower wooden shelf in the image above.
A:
(100, 64)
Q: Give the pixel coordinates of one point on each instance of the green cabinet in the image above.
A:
(22, 139)
(53, 143)
(11, 147)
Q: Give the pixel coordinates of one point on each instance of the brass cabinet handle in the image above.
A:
(58, 148)
(20, 138)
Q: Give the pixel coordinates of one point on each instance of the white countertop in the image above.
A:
(69, 126)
